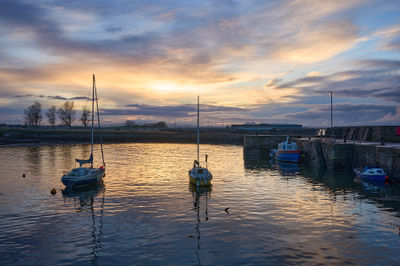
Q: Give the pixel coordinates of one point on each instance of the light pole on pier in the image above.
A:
(331, 93)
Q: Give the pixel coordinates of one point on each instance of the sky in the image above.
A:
(249, 61)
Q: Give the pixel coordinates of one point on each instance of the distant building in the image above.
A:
(264, 127)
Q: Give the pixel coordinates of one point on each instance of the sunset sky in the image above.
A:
(249, 61)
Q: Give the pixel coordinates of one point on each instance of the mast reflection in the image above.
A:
(84, 200)
(197, 194)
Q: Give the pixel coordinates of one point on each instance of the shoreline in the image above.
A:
(36, 137)
(55, 143)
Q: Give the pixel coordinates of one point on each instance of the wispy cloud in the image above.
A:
(160, 55)
(186, 110)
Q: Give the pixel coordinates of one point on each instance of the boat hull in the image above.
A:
(200, 176)
(375, 177)
(199, 182)
(91, 178)
(288, 156)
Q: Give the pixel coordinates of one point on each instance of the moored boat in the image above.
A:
(199, 176)
(83, 176)
(371, 173)
(87, 175)
(287, 152)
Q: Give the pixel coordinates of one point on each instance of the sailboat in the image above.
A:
(87, 175)
(198, 175)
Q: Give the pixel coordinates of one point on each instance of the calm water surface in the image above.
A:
(145, 212)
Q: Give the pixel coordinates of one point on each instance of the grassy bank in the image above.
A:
(11, 135)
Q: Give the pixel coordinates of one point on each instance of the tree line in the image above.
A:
(65, 113)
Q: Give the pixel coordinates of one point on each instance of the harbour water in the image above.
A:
(145, 212)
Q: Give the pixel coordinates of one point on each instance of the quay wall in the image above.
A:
(260, 145)
(367, 133)
(325, 153)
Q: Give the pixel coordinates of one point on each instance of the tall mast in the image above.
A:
(92, 139)
(198, 129)
(98, 123)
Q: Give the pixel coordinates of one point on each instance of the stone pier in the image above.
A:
(260, 145)
(331, 154)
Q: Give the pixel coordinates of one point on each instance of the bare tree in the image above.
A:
(85, 116)
(129, 123)
(28, 117)
(66, 113)
(33, 114)
(51, 116)
(160, 124)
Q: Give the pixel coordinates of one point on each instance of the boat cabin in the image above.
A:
(373, 171)
(287, 146)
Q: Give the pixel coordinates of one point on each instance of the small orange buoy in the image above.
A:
(53, 191)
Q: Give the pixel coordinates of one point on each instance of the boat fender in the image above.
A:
(101, 167)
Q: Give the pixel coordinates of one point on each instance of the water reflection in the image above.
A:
(52, 155)
(344, 182)
(197, 193)
(34, 158)
(287, 168)
(84, 200)
(67, 157)
(256, 163)
(154, 217)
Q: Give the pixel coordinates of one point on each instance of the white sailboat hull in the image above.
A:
(83, 176)
(200, 176)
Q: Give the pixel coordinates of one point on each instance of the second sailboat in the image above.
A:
(198, 175)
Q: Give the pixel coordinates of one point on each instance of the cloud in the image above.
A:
(314, 44)
(389, 38)
(344, 114)
(161, 54)
(57, 97)
(391, 118)
(372, 79)
(169, 111)
(53, 97)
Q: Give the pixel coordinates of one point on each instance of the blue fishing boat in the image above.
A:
(371, 173)
(287, 152)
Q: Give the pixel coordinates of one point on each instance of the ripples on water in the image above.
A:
(145, 212)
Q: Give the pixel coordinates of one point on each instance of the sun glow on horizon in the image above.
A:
(165, 54)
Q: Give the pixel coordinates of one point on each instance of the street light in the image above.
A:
(331, 93)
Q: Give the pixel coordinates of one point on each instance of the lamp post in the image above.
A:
(331, 93)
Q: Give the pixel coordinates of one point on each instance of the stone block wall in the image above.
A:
(368, 133)
(320, 154)
(260, 145)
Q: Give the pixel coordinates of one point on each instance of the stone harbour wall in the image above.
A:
(368, 133)
(325, 153)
